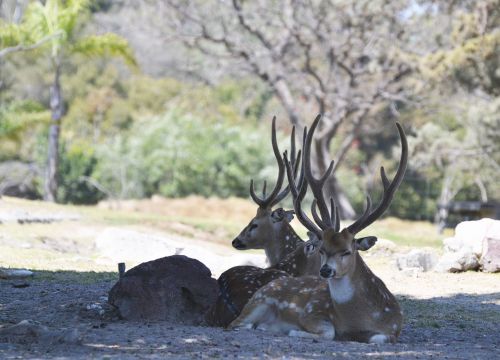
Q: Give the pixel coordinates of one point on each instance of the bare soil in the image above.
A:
(447, 316)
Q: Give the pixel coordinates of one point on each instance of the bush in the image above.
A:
(176, 155)
(76, 165)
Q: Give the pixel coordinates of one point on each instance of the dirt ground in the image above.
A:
(464, 326)
(447, 316)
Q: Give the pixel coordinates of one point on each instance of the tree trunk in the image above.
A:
(56, 108)
(447, 194)
(332, 187)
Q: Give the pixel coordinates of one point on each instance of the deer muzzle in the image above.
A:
(238, 244)
(326, 272)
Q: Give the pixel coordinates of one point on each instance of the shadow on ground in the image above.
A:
(464, 326)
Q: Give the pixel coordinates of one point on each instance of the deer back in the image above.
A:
(236, 286)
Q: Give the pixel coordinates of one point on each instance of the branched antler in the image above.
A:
(276, 196)
(390, 188)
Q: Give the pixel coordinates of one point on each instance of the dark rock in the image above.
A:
(18, 179)
(175, 288)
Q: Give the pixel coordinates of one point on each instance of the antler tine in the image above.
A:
(268, 201)
(334, 215)
(264, 187)
(298, 196)
(390, 188)
(315, 215)
(317, 184)
(337, 216)
(295, 161)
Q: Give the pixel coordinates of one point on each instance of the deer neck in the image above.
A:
(284, 241)
(299, 264)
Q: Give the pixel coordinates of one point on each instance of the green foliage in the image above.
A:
(18, 120)
(76, 165)
(177, 155)
(106, 45)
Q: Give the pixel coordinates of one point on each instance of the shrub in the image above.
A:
(177, 155)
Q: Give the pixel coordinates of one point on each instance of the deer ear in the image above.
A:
(280, 215)
(309, 249)
(312, 245)
(365, 243)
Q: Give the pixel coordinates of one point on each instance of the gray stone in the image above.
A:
(14, 274)
(175, 288)
(28, 331)
(421, 259)
(490, 259)
(457, 261)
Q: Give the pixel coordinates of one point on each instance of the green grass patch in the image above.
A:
(75, 277)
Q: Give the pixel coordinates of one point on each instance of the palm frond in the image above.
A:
(106, 45)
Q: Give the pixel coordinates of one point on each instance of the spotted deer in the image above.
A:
(348, 301)
(270, 229)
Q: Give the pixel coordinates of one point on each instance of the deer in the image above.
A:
(270, 230)
(347, 302)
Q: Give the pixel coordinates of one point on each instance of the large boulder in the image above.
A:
(175, 288)
(474, 246)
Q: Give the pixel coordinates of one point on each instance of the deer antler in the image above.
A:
(276, 196)
(299, 190)
(389, 189)
(317, 184)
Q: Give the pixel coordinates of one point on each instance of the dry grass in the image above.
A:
(69, 244)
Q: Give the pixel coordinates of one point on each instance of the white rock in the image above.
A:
(463, 260)
(490, 258)
(470, 235)
(421, 259)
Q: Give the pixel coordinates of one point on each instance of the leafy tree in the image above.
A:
(339, 58)
(458, 138)
(53, 29)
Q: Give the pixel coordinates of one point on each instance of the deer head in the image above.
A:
(270, 229)
(339, 249)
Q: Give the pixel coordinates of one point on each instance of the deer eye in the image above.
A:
(346, 253)
(253, 226)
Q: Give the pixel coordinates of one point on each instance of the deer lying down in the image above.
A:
(353, 303)
(269, 230)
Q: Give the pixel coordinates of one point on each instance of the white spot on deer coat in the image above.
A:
(376, 314)
(386, 309)
(394, 327)
(341, 290)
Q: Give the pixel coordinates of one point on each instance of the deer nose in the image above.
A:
(326, 272)
(238, 244)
